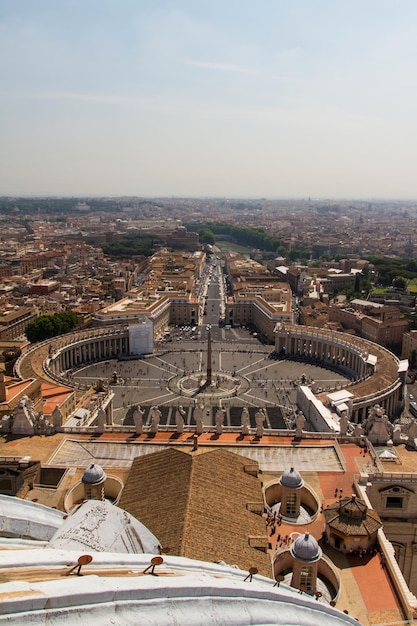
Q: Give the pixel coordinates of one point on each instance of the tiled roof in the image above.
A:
(196, 504)
(352, 517)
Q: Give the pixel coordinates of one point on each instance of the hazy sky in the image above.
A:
(271, 98)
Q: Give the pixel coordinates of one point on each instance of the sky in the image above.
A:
(217, 98)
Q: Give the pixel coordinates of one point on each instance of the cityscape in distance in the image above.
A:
(246, 364)
(208, 321)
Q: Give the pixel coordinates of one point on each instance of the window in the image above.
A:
(306, 577)
(291, 502)
(394, 502)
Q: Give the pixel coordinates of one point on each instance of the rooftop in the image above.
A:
(180, 591)
(367, 591)
(196, 503)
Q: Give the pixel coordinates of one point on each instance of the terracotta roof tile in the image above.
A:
(351, 516)
(195, 504)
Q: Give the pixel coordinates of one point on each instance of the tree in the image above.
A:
(399, 282)
(130, 245)
(206, 236)
(251, 237)
(47, 326)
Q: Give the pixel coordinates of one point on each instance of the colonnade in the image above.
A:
(329, 349)
(389, 399)
(352, 355)
(332, 349)
(83, 350)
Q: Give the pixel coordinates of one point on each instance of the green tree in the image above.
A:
(399, 282)
(47, 326)
(254, 237)
(206, 236)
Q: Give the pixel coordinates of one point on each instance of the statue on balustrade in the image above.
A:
(260, 421)
(179, 419)
(219, 420)
(156, 418)
(138, 419)
(300, 421)
(378, 428)
(245, 420)
(198, 418)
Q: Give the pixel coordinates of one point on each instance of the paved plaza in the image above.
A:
(244, 374)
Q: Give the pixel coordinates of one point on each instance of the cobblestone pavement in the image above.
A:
(243, 374)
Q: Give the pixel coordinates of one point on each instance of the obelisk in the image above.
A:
(208, 380)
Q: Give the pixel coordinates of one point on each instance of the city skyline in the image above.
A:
(231, 99)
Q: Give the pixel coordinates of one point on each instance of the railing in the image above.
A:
(14, 459)
(273, 432)
(407, 598)
(385, 477)
(378, 395)
(374, 456)
(340, 456)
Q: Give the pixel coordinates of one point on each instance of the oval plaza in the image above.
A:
(273, 430)
(365, 373)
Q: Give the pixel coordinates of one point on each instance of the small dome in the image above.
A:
(305, 548)
(93, 475)
(291, 479)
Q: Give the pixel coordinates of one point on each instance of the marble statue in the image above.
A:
(179, 419)
(57, 418)
(219, 420)
(378, 429)
(156, 418)
(245, 421)
(259, 420)
(300, 420)
(198, 418)
(343, 424)
(138, 419)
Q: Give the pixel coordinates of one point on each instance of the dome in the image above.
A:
(305, 548)
(115, 530)
(291, 479)
(93, 475)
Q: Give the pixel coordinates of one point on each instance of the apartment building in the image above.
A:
(370, 320)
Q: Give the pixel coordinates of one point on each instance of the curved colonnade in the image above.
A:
(74, 350)
(373, 369)
(328, 347)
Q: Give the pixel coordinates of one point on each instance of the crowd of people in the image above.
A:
(273, 521)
